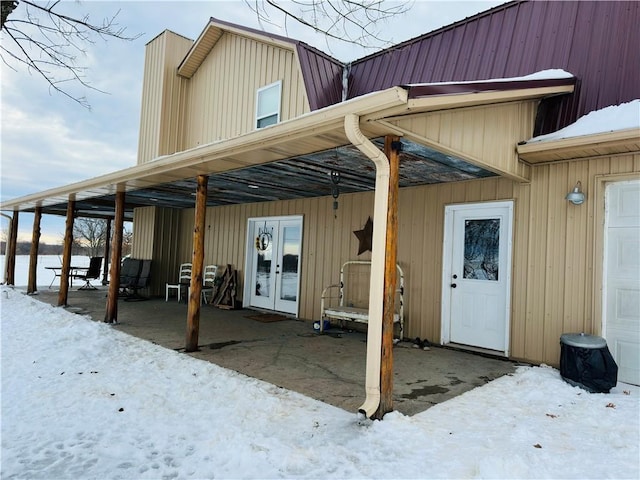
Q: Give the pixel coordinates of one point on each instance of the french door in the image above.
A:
(273, 263)
(477, 275)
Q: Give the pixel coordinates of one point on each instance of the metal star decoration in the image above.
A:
(365, 236)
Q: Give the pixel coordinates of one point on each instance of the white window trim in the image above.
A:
(277, 112)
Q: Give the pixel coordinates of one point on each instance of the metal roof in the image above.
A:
(595, 41)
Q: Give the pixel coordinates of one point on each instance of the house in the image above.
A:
(287, 142)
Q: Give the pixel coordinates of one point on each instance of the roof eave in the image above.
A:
(471, 97)
(235, 153)
(210, 35)
(583, 146)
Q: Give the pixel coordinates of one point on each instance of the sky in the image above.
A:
(86, 401)
(47, 140)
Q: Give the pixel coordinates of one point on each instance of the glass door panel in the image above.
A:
(273, 263)
(287, 270)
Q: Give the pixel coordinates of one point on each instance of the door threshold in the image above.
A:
(292, 316)
(482, 351)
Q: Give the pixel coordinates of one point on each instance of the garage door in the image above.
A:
(622, 278)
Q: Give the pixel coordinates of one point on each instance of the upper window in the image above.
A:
(268, 105)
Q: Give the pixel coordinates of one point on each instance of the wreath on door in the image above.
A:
(264, 238)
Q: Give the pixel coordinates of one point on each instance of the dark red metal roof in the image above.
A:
(322, 76)
(595, 41)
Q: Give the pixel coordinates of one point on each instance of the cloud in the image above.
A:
(53, 152)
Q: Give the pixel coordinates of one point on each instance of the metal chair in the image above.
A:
(140, 282)
(184, 280)
(129, 273)
(93, 272)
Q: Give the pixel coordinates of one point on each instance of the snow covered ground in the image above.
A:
(43, 275)
(81, 400)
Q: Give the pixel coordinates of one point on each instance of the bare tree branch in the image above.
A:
(356, 22)
(49, 43)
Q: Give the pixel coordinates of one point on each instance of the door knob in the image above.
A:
(454, 285)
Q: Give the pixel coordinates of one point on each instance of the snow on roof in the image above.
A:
(609, 119)
(550, 74)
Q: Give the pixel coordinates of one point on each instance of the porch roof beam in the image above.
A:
(281, 141)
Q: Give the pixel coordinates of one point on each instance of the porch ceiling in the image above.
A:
(302, 176)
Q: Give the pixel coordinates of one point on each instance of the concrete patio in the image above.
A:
(329, 367)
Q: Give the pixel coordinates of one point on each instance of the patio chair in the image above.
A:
(141, 281)
(129, 273)
(93, 272)
(184, 280)
(209, 283)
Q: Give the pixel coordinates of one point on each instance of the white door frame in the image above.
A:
(250, 246)
(445, 335)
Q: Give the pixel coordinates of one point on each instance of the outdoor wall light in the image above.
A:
(576, 196)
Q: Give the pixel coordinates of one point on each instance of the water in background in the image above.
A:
(43, 276)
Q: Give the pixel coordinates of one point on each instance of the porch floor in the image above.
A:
(329, 367)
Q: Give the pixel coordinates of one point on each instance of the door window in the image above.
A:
(482, 249)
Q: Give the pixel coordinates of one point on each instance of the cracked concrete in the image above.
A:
(290, 354)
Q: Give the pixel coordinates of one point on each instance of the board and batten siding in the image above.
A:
(563, 260)
(328, 241)
(554, 257)
(221, 99)
(484, 135)
(155, 232)
(163, 94)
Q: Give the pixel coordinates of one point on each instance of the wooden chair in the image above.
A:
(93, 272)
(184, 280)
(209, 283)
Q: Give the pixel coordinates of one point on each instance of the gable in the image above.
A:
(220, 100)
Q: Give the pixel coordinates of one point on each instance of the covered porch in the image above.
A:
(290, 354)
(437, 134)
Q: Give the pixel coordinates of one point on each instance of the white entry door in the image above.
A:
(622, 278)
(477, 275)
(273, 263)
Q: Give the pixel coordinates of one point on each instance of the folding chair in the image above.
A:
(184, 280)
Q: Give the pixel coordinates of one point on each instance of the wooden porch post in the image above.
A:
(12, 248)
(111, 314)
(107, 244)
(66, 255)
(33, 254)
(193, 315)
(392, 152)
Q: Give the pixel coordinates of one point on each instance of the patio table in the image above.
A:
(57, 272)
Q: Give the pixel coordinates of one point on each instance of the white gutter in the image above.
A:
(376, 283)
